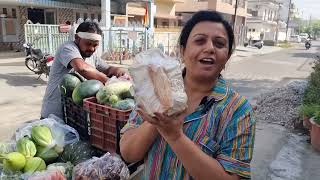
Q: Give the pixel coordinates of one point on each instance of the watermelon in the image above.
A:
(86, 89)
(68, 84)
(77, 152)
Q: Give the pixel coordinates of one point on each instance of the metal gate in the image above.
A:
(45, 37)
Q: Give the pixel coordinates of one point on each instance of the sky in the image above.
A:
(308, 7)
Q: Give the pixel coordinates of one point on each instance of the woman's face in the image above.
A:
(206, 52)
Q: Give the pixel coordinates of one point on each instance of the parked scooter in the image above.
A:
(36, 61)
(258, 44)
(307, 44)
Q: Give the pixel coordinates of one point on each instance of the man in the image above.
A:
(72, 55)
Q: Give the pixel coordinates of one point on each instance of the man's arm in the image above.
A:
(87, 71)
(114, 71)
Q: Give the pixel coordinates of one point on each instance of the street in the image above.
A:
(279, 154)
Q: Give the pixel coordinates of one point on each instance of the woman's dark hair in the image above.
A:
(89, 27)
(201, 16)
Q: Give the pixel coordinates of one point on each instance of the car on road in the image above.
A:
(295, 38)
(304, 36)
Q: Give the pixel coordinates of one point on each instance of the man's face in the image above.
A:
(87, 47)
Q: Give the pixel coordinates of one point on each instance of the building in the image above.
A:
(14, 14)
(225, 7)
(265, 21)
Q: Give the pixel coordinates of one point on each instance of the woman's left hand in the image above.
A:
(170, 127)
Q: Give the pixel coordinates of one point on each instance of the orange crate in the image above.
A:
(105, 124)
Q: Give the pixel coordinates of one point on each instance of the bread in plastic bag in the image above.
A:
(158, 83)
(62, 134)
(109, 166)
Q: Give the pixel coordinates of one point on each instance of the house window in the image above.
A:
(85, 16)
(4, 11)
(253, 30)
(77, 16)
(249, 30)
(14, 13)
(93, 16)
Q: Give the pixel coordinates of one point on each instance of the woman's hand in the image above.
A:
(170, 127)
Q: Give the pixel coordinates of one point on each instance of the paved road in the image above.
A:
(278, 154)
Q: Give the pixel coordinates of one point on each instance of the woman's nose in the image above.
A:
(210, 47)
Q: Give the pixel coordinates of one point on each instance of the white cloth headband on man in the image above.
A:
(89, 36)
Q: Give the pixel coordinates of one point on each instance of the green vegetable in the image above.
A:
(13, 161)
(68, 84)
(86, 89)
(41, 135)
(48, 155)
(34, 164)
(77, 152)
(113, 99)
(65, 168)
(26, 147)
(7, 147)
(124, 104)
(108, 94)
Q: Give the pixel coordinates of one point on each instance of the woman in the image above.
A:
(213, 138)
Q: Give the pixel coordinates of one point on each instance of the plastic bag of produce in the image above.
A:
(158, 83)
(49, 133)
(109, 166)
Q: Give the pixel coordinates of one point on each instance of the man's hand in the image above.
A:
(119, 72)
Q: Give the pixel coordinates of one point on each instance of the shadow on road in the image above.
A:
(22, 79)
(305, 55)
(13, 64)
(251, 88)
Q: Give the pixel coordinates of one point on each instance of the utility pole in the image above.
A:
(278, 19)
(288, 20)
(235, 15)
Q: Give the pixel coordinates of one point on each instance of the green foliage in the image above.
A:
(312, 92)
(313, 29)
(317, 117)
(308, 110)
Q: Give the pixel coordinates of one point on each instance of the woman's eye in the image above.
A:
(219, 44)
(200, 41)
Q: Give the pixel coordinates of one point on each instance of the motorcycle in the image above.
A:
(307, 44)
(36, 61)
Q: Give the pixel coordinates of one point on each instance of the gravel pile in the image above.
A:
(281, 105)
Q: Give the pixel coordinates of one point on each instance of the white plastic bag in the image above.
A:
(158, 83)
(62, 134)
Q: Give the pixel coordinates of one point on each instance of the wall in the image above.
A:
(11, 45)
(165, 9)
(229, 8)
(191, 6)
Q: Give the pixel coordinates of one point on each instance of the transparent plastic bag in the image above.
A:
(7, 147)
(45, 175)
(109, 166)
(158, 83)
(62, 134)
